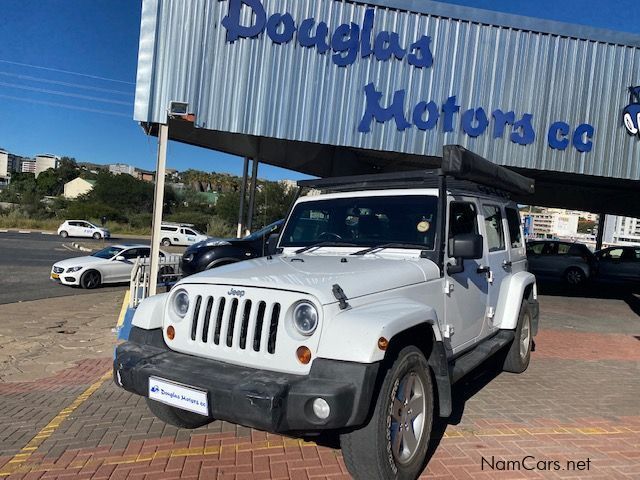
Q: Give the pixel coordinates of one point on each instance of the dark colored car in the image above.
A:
(620, 265)
(215, 253)
(570, 262)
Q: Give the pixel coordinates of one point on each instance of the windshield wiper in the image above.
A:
(326, 244)
(387, 245)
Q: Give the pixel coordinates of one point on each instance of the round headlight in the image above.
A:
(305, 318)
(181, 303)
(188, 257)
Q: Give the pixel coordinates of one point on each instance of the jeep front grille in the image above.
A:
(235, 323)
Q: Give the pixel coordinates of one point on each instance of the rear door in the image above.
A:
(498, 256)
(517, 252)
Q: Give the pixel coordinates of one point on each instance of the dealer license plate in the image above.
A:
(55, 276)
(177, 395)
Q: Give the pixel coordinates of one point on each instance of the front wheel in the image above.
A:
(394, 444)
(90, 280)
(176, 416)
(96, 236)
(64, 234)
(166, 242)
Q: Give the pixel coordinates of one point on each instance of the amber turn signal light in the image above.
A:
(171, 332)
(383, 343)
(304, 355)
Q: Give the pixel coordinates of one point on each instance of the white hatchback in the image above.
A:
(82, 228)
(110, 265)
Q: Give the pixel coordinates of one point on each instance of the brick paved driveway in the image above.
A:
(579, 402)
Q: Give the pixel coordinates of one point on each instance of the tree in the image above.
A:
(586, 226)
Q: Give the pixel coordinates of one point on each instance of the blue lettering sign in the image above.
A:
(418, 115)
(557, 136)
(449, 109)
(582, 138)
(501, 120)
(347, 41)
(375, 111)
(232, 21)
(467, 122)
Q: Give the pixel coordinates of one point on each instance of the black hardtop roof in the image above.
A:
(465, 172)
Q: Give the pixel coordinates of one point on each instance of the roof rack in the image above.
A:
(470, 171)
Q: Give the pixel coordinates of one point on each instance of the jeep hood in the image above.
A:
(316, 274)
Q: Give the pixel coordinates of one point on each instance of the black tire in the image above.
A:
(177, 417)
(64, 234)
(97, 236)
(166, 242)
(90, 279)
(371, 453)
(574, 277)
(519, 354)
(166, 274)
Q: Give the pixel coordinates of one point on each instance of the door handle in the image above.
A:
(507, 264)
(483, 270)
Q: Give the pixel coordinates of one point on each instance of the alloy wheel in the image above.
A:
(407, 417)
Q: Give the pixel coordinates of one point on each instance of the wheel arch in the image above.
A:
(521, 285)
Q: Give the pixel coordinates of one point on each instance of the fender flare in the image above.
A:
(513, 288)
(225, 260)
(150, 312)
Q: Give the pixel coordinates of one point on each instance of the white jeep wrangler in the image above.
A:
(381, 294)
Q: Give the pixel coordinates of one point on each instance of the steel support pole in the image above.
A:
(602, 219)
(243, 192)
(252, 195)
(158, 203)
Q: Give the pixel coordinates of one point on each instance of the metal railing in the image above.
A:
(168, 274)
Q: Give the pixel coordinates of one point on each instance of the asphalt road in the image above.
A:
(25, 263)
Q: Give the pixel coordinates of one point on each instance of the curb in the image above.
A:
(77, 246)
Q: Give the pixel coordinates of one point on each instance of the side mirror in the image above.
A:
(120, 258)
(465, 246)
(272, 244)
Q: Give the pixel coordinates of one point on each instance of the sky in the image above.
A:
(68, 70)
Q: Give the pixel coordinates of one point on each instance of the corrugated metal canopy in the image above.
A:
(293, 107)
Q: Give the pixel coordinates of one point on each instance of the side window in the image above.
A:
(513, 220)
(535, 248)
(189, 232)
(131, 254)
(613, 254)
(493, 225)
(564, 249)
(463, 218)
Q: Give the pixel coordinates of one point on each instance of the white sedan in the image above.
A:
(109, 265)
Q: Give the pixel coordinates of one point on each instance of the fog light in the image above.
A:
(171, 332)
(321, 408)
(304, 355)
(383, 343)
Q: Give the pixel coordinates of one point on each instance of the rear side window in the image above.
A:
(513, 220)
(169, 229)
(493, 225)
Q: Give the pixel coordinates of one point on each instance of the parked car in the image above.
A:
(215, 253)
(110, 265)
(619, 265)
(82, 228)
(181, 234)
(358, 331)
(572, 263)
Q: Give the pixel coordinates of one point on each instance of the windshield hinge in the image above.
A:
(340, 296)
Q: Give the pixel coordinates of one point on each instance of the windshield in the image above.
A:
(364, 221)
(108, 252)
(263, 232)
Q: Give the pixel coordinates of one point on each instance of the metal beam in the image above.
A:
(602, 218)
(252, 195)
(243, 192)
(158, 203)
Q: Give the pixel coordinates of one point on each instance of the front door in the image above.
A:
(466, 292)
(497, 254)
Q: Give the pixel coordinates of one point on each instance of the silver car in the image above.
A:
(570, 262)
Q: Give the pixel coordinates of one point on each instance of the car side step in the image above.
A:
(470, 360)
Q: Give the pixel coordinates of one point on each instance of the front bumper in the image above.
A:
(266, 400)
(66, 278)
